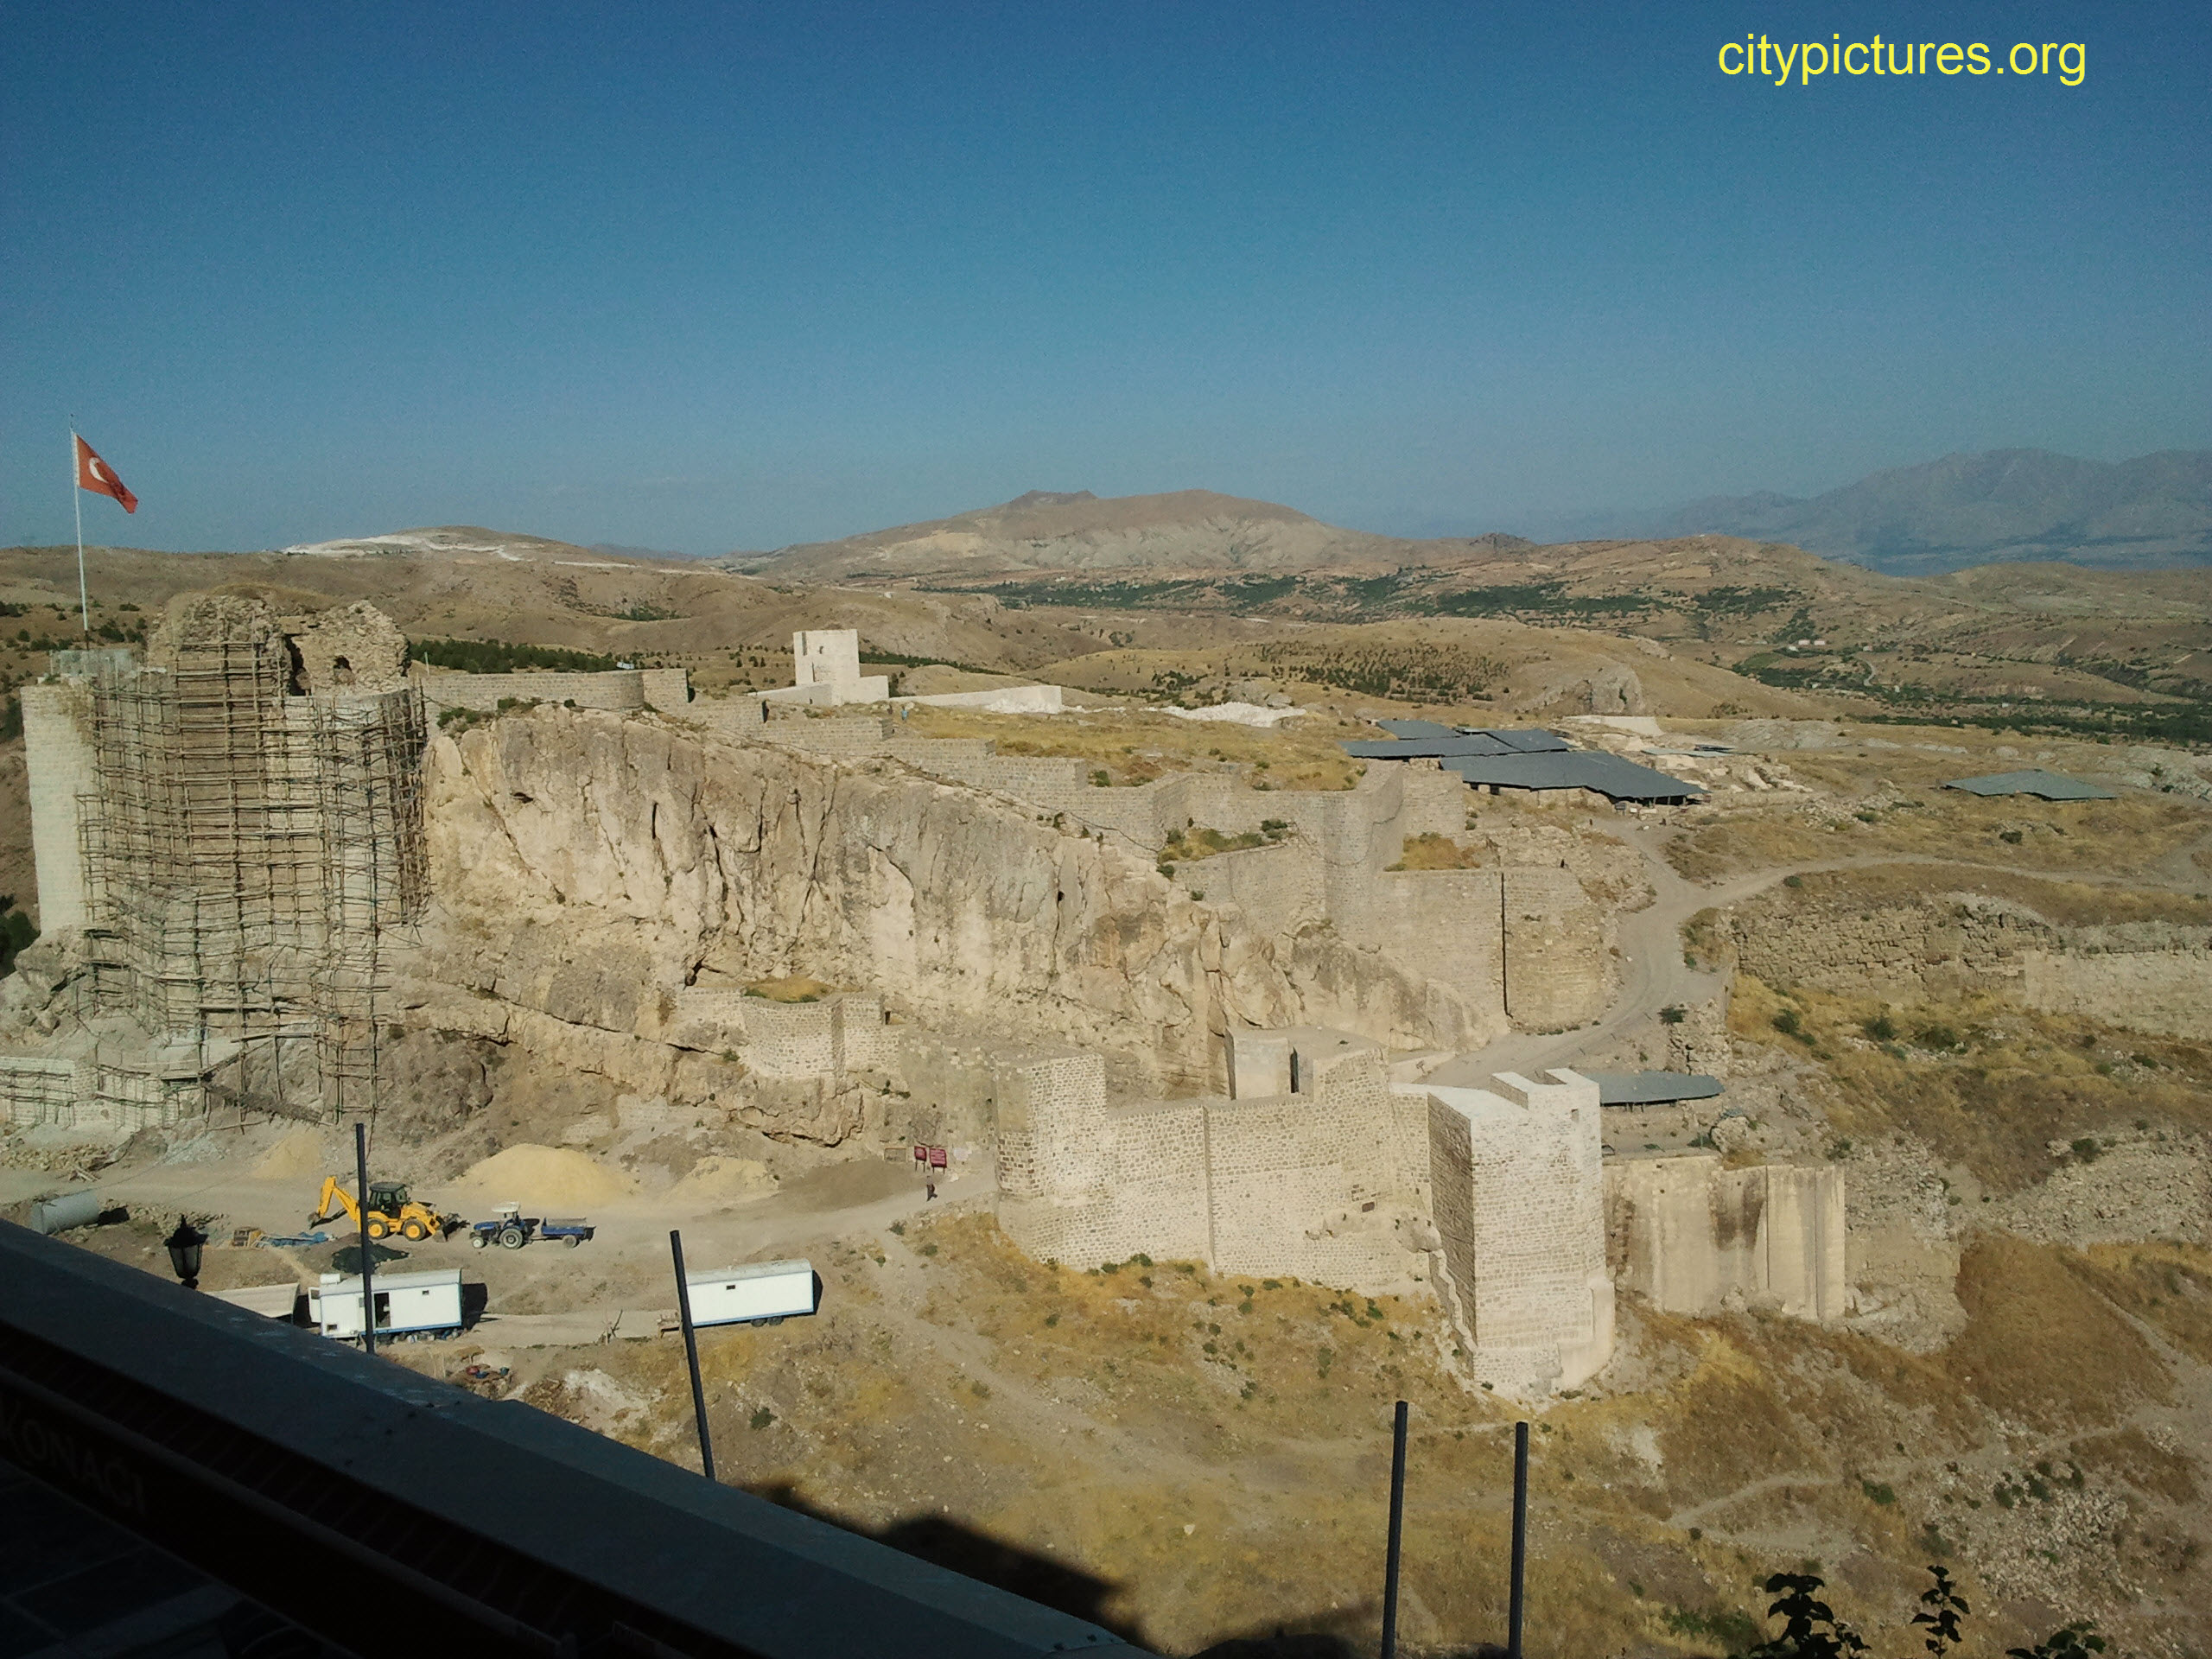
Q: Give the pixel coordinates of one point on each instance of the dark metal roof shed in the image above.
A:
(1413, 728)
(1605, 774)
(1652, 1088)
(1442, 744)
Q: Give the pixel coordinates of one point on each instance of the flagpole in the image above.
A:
(77, 499)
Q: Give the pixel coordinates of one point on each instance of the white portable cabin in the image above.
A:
(408, 1304)
(764, 1293)
(271, 1302)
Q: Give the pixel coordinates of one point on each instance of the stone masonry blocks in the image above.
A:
(1518, 1198)
(58, 752)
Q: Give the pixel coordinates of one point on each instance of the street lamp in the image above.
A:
(184, 1252)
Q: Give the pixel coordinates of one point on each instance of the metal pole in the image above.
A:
(1397, 1530)
(361, 1200)
(692, 1355)
(1520, 1538)
(77, 499)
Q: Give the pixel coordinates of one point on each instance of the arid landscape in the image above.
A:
(1981, 1021)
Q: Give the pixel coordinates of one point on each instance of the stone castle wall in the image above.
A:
(1518, 1199)
(790, 1041)
(621, 691)
(1697, 1237)
(1292, 1183)
(1558, 971)
(1053, 1141)
(664, 689)
(2159, 982)
(2147, 977)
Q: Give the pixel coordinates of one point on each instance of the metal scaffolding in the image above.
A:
(248, 852)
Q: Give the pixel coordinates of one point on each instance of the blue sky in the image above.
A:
(713, 277)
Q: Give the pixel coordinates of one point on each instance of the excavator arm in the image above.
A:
(334, 1199)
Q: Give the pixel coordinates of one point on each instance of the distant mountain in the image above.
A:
(2154, 513)
(1076, 531)
(462, 541)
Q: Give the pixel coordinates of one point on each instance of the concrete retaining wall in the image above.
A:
(1695, 1237)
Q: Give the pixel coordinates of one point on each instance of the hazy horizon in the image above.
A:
(709, 278)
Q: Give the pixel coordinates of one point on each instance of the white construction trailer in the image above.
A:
(414, 1305)
(764, 1293)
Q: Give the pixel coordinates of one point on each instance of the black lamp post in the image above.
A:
(184, 1252)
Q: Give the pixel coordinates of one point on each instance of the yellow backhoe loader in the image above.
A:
(391, 1210)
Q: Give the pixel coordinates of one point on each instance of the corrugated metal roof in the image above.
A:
(1607, 774)
(2051, 786)
(1651, 1088)
(1468, 739)
(1527, 740)
(1413, 728)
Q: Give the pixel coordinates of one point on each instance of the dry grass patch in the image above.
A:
(1435, 852)
(2131, 1456)
(1152, 1333)
(1862, 812)
(2063, 903)
(2042, 1345)
(1741, 845)
(1135, 746)
(2164, 1284)
(1986, 1083)
(1198, 841)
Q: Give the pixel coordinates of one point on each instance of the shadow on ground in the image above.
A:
(1005, 1566)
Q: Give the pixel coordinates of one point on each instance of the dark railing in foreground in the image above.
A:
(359, 1499)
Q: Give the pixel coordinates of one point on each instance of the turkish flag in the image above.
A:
(96, 475)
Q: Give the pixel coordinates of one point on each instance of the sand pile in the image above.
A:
(298, 1157)
(543, 1178)
(716, 1179)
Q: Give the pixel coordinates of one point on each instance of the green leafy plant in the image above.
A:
(1810, 1629)
(2075, 1640)
(1941, 1609)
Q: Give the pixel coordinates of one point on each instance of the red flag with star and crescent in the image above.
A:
(96, 475)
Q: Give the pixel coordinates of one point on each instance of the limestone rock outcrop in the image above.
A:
(585, 868)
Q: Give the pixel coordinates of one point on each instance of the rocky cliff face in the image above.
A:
(585, 866)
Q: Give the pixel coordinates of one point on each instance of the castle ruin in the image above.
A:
(227, 833)
(234, 854)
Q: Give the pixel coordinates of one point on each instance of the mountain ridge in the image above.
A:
(1963, 510)
(1987, 508)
